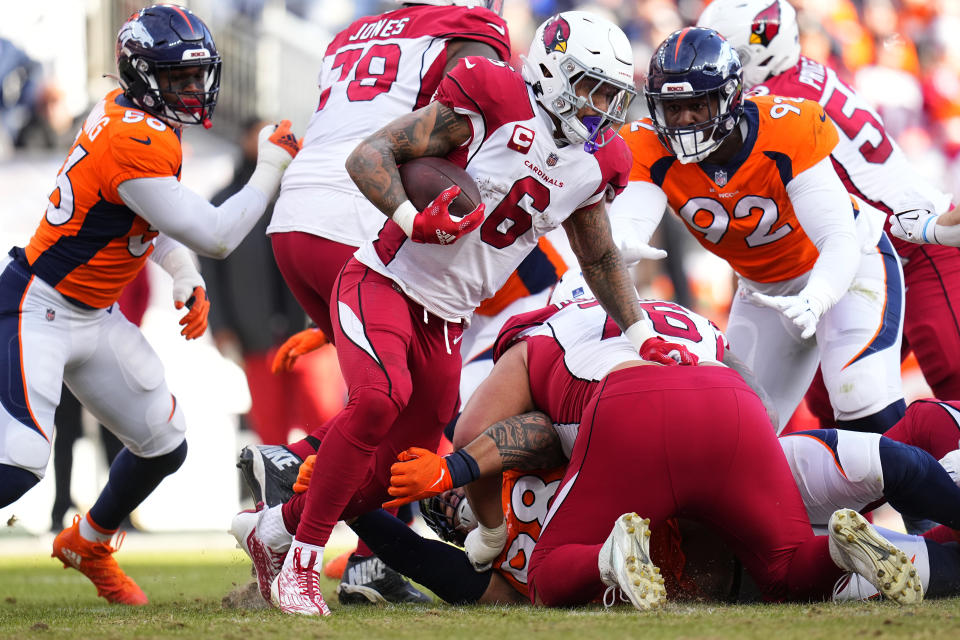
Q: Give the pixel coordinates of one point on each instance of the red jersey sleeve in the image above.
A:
(490, 89)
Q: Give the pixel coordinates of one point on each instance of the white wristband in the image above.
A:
(404, 216)
(638, 333)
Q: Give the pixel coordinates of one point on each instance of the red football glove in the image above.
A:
(435, 225)
(304, 474)
(419, 474)
(194, 323)
(298, 344)
(656, 349)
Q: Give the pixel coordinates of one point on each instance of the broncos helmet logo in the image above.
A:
(134, 30)
(556, 34)
(766, 25)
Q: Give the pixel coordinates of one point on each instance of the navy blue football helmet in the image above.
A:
(169, 65)
(695, 63)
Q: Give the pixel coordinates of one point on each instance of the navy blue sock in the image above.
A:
(944, 570)
(442, 568)
(132, 479)
(14, 482)
(876, 422)
(916, 485)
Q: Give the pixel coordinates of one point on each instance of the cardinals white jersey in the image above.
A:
(573, 344)
(528, 183)
(377, 69)
(868, 161)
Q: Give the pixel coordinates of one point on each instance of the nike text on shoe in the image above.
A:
(269, 471)
(625, 564)
(95, 560)
(267, 562)
(369, 581)
(856, 547)
(296, 588)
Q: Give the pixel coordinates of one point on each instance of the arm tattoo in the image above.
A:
(434, 130)
(602, 266)
(527, 442)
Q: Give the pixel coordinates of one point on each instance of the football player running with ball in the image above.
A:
(543, 149)
(752, 180)
(118, 201)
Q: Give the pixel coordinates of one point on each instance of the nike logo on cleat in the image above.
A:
(147, 141)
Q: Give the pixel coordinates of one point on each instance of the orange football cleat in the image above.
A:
(95, 560)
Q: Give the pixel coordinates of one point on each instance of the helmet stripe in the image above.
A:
(185, 17)
(676, 47)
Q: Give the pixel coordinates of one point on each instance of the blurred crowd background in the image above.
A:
(903, 55)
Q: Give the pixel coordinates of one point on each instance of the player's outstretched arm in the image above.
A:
(434, 130)
(214, 231)
(588, 230)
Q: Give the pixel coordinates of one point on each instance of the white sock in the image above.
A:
(306, 550)
(87, 532)
(272, 530)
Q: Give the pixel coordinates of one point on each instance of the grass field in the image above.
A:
(38, 599)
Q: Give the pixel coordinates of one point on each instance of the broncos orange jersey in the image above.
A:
(740, 211)
(89, 244)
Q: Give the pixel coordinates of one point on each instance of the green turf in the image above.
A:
(38, 599)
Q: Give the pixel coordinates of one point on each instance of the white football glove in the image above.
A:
(802, 309)
(915, 225)
(625, 236)
(635, 252)
(483, 545)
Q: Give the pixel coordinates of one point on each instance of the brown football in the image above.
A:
(424, 178)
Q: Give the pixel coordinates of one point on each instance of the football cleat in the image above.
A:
(367, 580)
(855, 546)
(296, 589)
(269, 471)
(95, 560)
(267, 561)
(625, 564)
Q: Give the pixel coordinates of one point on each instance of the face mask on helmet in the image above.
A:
(694, 91)
(763, 32)
(168, 64)
(578, 60)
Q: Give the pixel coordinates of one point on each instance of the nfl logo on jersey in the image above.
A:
(552, 159)
(720, 177)
(51, 314)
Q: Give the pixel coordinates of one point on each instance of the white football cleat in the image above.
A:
(625, 563)
(296, 588)
(856, 547)
(267, 560)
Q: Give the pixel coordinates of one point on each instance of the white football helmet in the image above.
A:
(573, 47)
(494, 5)
(763, 32)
